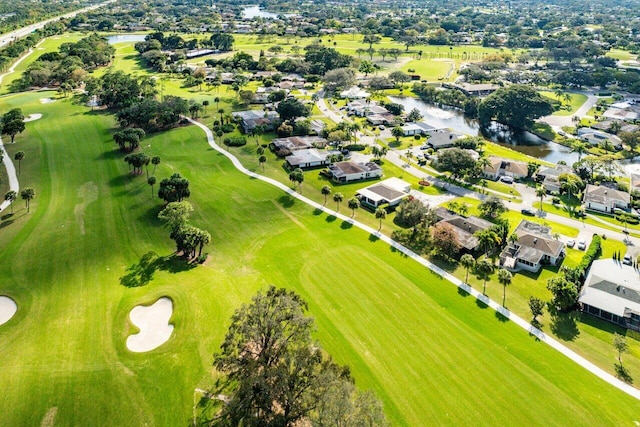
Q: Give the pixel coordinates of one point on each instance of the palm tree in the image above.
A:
(467, 262)
(338, 197)
(487, 239)
(151, 181)
(205, 104)
(27, 194)
(19, 156)
(11, 197)
(484, 267)
(353, 204)
(580, 148)
(155, 161)
(381, 214)
(221, 112)
(217, 101)
(326, 190)
(541, 192)
(570, 186)
(262, 160)
(463, 209)
(504, 277)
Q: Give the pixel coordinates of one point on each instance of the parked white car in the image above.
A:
(582, 245)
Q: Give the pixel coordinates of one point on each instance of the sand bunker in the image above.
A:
(153, 322)
(32, 117)
(46, 100)
(8, 308)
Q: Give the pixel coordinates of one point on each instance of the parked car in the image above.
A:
(627, 259)
(527, 212)
(571, 243)
(424, 147)
(381, 127)
(507, 179)
(582, 245)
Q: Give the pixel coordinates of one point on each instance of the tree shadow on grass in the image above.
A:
(331, 218)
(481, 304)
(286, 201)
(501, 317)
(623, 373)
(564, 325)
(463, 292)
(142, 272)
(346, 225)
(4, 224)
(317, 211)
(373, 238)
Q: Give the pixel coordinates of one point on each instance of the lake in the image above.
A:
(126, 38)
(251, 12)
(525, 143)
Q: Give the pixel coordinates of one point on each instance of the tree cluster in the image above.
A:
(277, 375)
(188, 238)
(153, 115)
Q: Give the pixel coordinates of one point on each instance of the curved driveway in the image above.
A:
(437, 270)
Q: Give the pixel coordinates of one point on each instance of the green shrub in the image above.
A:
(237, 141)
(228, 127)
(355, 147)
(593, 251)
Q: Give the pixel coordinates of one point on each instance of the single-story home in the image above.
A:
(535, 246)
(354, 92)
(635, 183)
(465, 228)
(352, 171)
(611, 292)
(595, 137)
(380, 119)
(442, 138)
(549, 176)
(498, 167)
(390, 191)
(605, 199)
(416, 128)
(262, 93)
(308, 158)
(252, 118)
(294, 143)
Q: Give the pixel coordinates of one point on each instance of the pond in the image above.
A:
(251, 12)
(126, 38)
(525, 143)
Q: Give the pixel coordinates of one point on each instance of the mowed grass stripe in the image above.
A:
(432, 355)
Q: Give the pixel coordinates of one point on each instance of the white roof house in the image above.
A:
(308, 158)
(390, 191)
(611, 291)
(354, 92)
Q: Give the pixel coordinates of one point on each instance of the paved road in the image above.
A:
(442, 273)
(25, 31)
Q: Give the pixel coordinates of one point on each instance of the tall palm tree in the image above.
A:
(262, 160)
(217, 101)
(27, 194)
(221, 112)
(151, 181)
(326, 190)
(467, 262)
(580, 148)
(488, 239)
(504, 277)
(353, 204)
(541, 192)
(19, 156)
(381, 214)
(155, 161)
(11, 196)
(338, 197)
(484, 267)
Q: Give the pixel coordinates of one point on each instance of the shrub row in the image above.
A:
(237, 141)
(593, 251)
(355, 147)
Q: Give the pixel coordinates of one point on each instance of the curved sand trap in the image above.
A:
(46, 100)
(8, 308)
(32, 117)
(153, 322)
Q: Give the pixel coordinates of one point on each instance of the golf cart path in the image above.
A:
(555, 344)
(11, 172)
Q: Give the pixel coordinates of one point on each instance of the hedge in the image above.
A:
(237, 141)
(593, 251)
(355, 147)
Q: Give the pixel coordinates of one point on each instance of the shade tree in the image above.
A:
(11, 196)
(27, 194)
(174, 189)
(13, 123)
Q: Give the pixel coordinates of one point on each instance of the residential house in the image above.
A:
(354, 92)
(624, 110)
(498, 167)
(262, 93)
(635, 183)
(251, 118)
(352, 171)
(294, 143)
(442, 138)
(605, 199)
(611, 292)
(465, 228)
(381, 119)
(416, 128)
(388, 192)
(534, 247)
(549, 176)
(308, 158)
(596, 137)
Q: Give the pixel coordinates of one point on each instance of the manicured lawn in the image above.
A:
(405, 333)
(499, 151)
(577, 99)
(620, 54)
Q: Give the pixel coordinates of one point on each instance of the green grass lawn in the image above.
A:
(405, 333)
(577, 99)
(492, 149)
